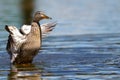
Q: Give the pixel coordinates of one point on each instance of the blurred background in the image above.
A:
(83, 16)
(85, 41)
(73, 17)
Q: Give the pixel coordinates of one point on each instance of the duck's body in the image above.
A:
(24, 44)
(30, 47)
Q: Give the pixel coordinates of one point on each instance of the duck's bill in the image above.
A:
(46, 17)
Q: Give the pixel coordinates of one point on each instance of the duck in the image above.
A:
(24, 43)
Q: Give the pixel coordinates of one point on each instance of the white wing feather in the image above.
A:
(26, 29)
(16, 35)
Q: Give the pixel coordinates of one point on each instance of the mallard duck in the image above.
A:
(24, 44)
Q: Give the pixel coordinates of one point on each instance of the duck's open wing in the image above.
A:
(47, 27)
(15, 34)
(15, 40)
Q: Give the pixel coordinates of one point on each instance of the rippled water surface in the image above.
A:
(85, 44)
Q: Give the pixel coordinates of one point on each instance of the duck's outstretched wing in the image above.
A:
(47, 27)
(15, 34)
(15, 40)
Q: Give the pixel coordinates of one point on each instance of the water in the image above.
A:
(85, 44)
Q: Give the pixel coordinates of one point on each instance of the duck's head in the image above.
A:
(39, 15)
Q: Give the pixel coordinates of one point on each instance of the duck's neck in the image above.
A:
(36, 21)
(39, 28)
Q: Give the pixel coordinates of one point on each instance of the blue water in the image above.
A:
(85, 45)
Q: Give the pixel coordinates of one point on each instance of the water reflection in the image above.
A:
(27, 7)
(24, 72)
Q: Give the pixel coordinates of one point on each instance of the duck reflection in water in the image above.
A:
(24, 72)
(24, 44)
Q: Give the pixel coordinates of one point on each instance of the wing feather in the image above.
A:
(47, 28)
